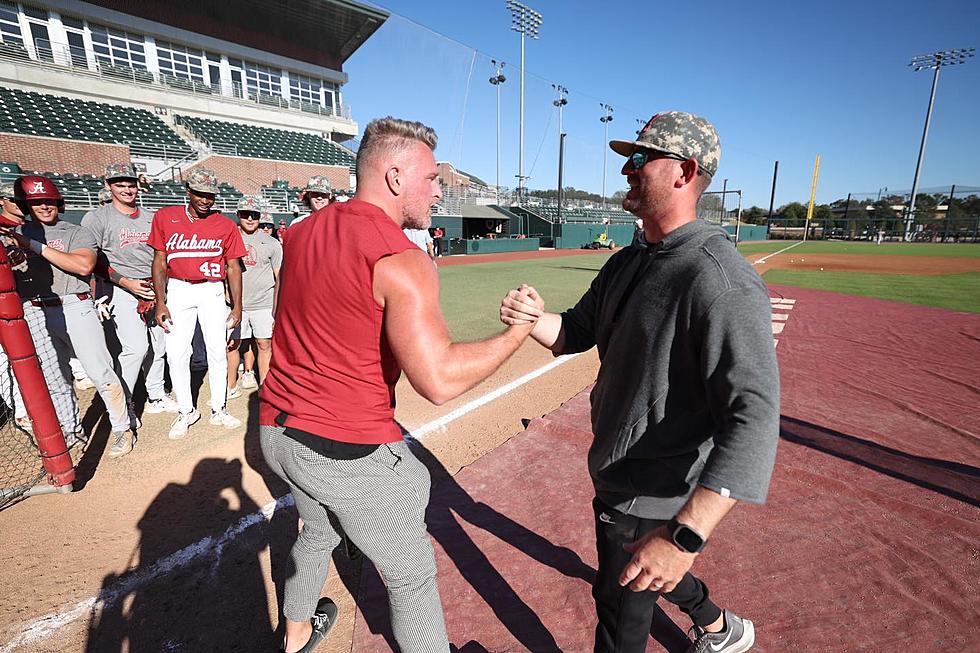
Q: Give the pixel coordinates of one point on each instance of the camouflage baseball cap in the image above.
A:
(7, 189)
(105, 195)
(202, 180)
(318, 184)
(679, 133)
(252, 203)
(120, 171)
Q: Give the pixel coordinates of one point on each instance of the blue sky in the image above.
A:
(781, 81)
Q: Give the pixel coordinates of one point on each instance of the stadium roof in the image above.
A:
(322, 32)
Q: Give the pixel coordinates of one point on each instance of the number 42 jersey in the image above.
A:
(197, 250)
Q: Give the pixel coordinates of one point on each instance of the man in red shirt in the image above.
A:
(196, 249)
(359, 303)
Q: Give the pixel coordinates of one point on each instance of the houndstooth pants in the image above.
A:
(380, 502)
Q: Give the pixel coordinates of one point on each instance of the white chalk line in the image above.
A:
(49, 624)
(769, 256)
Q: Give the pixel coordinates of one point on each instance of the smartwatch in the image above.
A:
(684, 537)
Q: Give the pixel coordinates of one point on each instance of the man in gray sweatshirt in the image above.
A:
(685, 410)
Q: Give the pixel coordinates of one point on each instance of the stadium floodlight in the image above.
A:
(497, 80)
(526, 22)
(935, 61)
(560, 102)
(605, 120)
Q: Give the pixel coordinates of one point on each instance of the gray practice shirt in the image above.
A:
(263, 255)
(42, 279)
(122, 238)
(420, 237)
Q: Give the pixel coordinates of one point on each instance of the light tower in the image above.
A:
(525, 21)
(935, 61)
(497, 80)
(560, 102)
(605, 120)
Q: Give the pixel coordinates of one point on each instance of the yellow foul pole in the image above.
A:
(813, 193)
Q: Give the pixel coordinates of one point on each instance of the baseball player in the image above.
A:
(196, 250)
(260, 286)
(315, 196)
(55, 287)
(121, 229)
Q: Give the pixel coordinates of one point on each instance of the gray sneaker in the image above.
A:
(122, 444)
(737, 637)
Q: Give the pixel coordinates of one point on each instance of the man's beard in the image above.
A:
(416, 218)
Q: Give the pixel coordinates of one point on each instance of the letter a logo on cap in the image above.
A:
(38, 187)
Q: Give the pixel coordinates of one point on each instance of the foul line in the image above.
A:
(769, 256)
(210, 546)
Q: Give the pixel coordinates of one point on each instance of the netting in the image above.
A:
(21, 468)
(26, 412)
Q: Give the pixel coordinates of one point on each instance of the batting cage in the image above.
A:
(37, 402)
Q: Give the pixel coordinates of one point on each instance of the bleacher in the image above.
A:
(37, 114)
(82, 191)
(266, 142)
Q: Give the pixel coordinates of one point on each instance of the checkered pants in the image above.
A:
(380, 502)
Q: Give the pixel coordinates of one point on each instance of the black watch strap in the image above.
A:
(684, 537)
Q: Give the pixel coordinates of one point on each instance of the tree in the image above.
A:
(754, 215)
(793, 214)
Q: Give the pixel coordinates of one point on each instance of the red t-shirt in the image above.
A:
(332, 371)
(196, 250)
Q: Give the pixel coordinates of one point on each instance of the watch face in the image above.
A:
(687, 539)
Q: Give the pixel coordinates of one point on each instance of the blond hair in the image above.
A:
(390, 136)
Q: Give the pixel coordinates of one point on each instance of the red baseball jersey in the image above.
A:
(196, 250)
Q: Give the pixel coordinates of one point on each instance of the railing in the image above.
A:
(83, 199)
(165, 151)
(76, 60)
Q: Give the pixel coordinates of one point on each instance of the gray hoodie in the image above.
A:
(688, 389)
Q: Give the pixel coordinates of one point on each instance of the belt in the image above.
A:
(56, 301)
(195, 281)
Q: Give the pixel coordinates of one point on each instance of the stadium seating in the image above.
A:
(268, 143)
(82, 191)
(36, 114)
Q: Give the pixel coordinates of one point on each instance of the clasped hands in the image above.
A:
(521, 306)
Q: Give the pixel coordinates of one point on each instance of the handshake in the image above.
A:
(521, 307)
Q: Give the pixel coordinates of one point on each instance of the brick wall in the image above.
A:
(448, 175)
(248, 175)
(60, 155)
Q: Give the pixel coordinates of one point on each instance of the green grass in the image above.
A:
(956, 292)
(865, 248)
(471, 294)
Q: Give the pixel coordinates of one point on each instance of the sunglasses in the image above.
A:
(248, 216)
(641, 157)
(265, 225)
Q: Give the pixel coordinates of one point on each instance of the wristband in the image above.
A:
(38, 247)
(115, 277)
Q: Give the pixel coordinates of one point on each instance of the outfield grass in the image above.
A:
(956, 292)
(864, 248)
(471, 294)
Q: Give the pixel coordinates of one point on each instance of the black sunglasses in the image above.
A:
(640, 158)
(246, 215)
(266, 225)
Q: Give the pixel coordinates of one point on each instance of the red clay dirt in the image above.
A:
(867, 542)
(878, 264)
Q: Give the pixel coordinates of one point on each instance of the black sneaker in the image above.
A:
(323, 620)
(737, 637)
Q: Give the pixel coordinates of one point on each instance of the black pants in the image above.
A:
(625, 616)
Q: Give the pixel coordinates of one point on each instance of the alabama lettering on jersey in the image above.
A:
(123, 239)
(196, 250)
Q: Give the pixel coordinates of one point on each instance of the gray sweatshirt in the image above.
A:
(688, 389)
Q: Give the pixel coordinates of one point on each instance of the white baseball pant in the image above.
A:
(190, 303)
(75, 330)
(140, 347)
